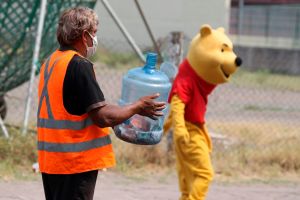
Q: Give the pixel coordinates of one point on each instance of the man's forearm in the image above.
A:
(111, 115)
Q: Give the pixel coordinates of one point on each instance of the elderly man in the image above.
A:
(73, 138)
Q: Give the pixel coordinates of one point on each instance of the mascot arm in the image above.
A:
(168, 123)
(177, 111)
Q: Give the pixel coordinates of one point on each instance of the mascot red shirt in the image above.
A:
(193, 91)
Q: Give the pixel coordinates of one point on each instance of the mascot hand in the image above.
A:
(167, 125)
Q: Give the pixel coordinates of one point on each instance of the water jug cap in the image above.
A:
(150, 62)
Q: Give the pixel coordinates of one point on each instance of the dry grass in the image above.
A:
(253, 153)
(265, 79)
(17, 154)
(142, 157)
(247, 153)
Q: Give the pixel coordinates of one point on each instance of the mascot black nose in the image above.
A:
(238, 61)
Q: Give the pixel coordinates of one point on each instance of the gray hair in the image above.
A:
(73, 22)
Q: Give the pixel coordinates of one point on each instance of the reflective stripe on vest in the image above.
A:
(74, 147)
(64, 124)
(45, 91)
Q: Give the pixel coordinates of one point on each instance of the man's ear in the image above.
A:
(84, 36)
(205, 30)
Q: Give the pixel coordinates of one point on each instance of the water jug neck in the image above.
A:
(151, 59)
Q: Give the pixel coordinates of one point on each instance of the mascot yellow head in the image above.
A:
(211, 55)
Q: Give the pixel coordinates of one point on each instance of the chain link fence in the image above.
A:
(253, 119)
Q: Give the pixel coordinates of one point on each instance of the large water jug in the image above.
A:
(138, 82)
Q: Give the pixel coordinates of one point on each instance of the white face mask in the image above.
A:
(92, 50)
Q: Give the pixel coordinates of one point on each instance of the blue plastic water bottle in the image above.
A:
(138, 82)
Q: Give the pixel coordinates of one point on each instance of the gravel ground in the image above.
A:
(114, 186)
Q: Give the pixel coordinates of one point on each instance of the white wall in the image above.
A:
(163, 17)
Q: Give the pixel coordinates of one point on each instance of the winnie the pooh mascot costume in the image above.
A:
(210, 61)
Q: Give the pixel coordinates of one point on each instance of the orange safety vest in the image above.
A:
(67, 143)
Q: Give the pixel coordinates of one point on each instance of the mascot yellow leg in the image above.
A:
(193, 146)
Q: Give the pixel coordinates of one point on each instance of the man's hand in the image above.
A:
(150, 108)
(111, 115)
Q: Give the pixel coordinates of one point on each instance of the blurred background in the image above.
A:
(254, 120)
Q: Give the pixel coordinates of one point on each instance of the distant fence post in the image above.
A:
(34, 63)
(173, 54)
(5, 132)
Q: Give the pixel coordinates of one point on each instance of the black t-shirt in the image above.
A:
(81, 92)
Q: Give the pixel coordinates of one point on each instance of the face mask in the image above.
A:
(92, 50)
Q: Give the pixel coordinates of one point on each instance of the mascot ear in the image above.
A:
(205, 30)
(221, 29)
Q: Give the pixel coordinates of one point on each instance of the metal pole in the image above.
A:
(34, 62)
(296, 32)
(241, 16)
(267, 26)
(148, 29)
(5, 132)
(123, 30)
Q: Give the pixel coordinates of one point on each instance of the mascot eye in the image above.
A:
(222, 50)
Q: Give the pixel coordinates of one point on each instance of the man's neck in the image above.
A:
(80, 48)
